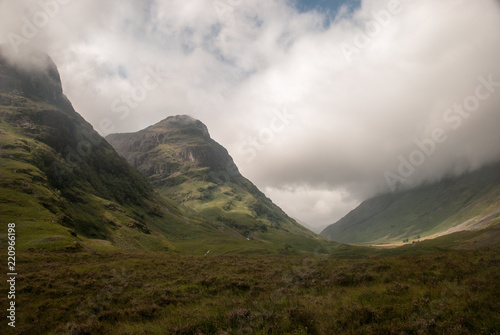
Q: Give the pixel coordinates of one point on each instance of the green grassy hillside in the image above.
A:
(470, 201)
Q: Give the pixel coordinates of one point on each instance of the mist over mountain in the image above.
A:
(456, 203)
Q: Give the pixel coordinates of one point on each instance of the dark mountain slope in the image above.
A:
(56, 171)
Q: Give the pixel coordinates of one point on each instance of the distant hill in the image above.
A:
(183, 162)
(470, 201)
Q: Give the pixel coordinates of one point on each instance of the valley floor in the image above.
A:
(456, 292)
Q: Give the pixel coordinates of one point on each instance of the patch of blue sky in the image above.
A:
(329, 8)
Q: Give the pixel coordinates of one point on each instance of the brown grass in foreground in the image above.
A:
(79, 293)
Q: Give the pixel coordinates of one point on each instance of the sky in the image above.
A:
(329, 8)
(322, 104)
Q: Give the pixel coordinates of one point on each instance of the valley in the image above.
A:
(157, 232)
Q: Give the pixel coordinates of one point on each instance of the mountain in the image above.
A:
(184, 163)
(467, 202)
(66, 188)
(62, 183)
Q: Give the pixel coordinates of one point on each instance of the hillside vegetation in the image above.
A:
(435, 293)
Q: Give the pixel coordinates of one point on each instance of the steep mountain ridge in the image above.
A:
(470, 201)
(183, 162)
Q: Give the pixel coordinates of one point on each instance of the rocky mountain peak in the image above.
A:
(175, 145)
(183, 123)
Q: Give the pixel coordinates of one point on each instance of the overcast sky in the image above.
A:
(322, 104)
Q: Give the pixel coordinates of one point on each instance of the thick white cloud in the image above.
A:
(314, 115)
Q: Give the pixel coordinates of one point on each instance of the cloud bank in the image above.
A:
(320, 116)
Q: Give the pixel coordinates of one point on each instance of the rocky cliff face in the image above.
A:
(178, 144)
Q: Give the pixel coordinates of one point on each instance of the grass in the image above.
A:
(233, 204)
(169, 293)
